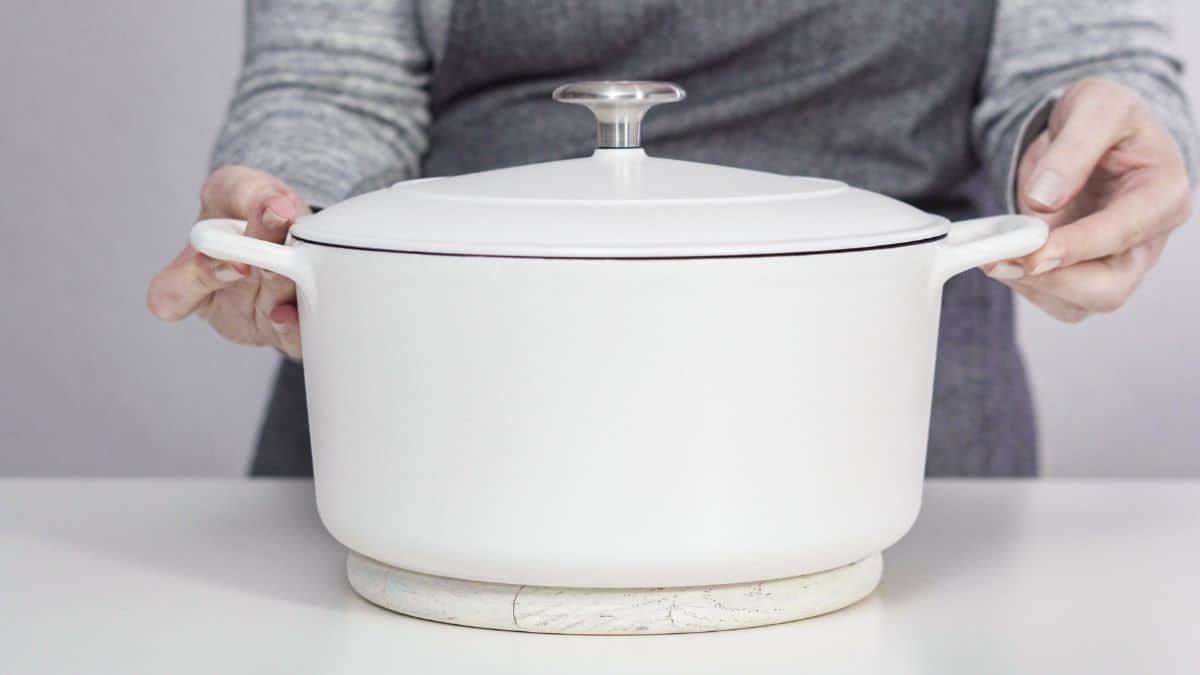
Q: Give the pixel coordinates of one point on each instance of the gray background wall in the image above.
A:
(107, 115)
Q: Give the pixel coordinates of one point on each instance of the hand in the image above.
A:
(1111, 183)
(244, 304)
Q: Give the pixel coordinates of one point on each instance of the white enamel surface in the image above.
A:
(599, 422)
(619, 423)
(209, 576)
(619, 203)
(971, 243)
(612, 611)
(628, 175)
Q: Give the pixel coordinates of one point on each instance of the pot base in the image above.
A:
(612, 611)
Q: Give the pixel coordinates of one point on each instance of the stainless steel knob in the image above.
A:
(619, 106)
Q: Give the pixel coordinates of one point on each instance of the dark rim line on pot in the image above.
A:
(878, 247)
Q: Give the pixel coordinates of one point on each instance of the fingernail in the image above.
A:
(278, 211)
(1046, 265)
(279, 327)
(272, 219)
(1048, 189)
(1007, 270)
(227, 273)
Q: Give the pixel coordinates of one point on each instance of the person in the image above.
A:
(1069, 110)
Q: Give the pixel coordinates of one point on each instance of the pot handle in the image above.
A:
(223, 239)
(971, 243)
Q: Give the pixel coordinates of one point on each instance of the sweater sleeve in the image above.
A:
(332, 96)
(1040, 47)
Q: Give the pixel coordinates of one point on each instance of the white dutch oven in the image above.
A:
(620, 370)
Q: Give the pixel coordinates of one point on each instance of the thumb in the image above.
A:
(266, 204)
(274, 213)
(1092, 117)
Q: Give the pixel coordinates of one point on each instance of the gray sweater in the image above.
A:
(333, 97)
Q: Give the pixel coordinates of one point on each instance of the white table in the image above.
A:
(215, 576)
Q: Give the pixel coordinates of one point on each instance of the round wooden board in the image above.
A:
(612, 611)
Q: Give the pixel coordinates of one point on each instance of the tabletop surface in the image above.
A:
(232, 576)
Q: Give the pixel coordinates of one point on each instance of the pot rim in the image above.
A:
(713, 256)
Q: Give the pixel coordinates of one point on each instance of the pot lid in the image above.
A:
(619, 203)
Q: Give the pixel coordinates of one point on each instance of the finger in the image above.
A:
(274, 290)
(1056, 307)
(1093, 117)
(288, 340)
(232, 191)
(1029, 161)
(1073, 210)
(1099, 285)
(266, 204)
(277, 290)
(231, 313)
(1010, 269)
(1155, 247)
(274, 215)
(285, 320)
(243, 313)
(189, 279)
(1151, 203)
(286, 313)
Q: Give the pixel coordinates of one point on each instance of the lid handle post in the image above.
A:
(619, 106)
